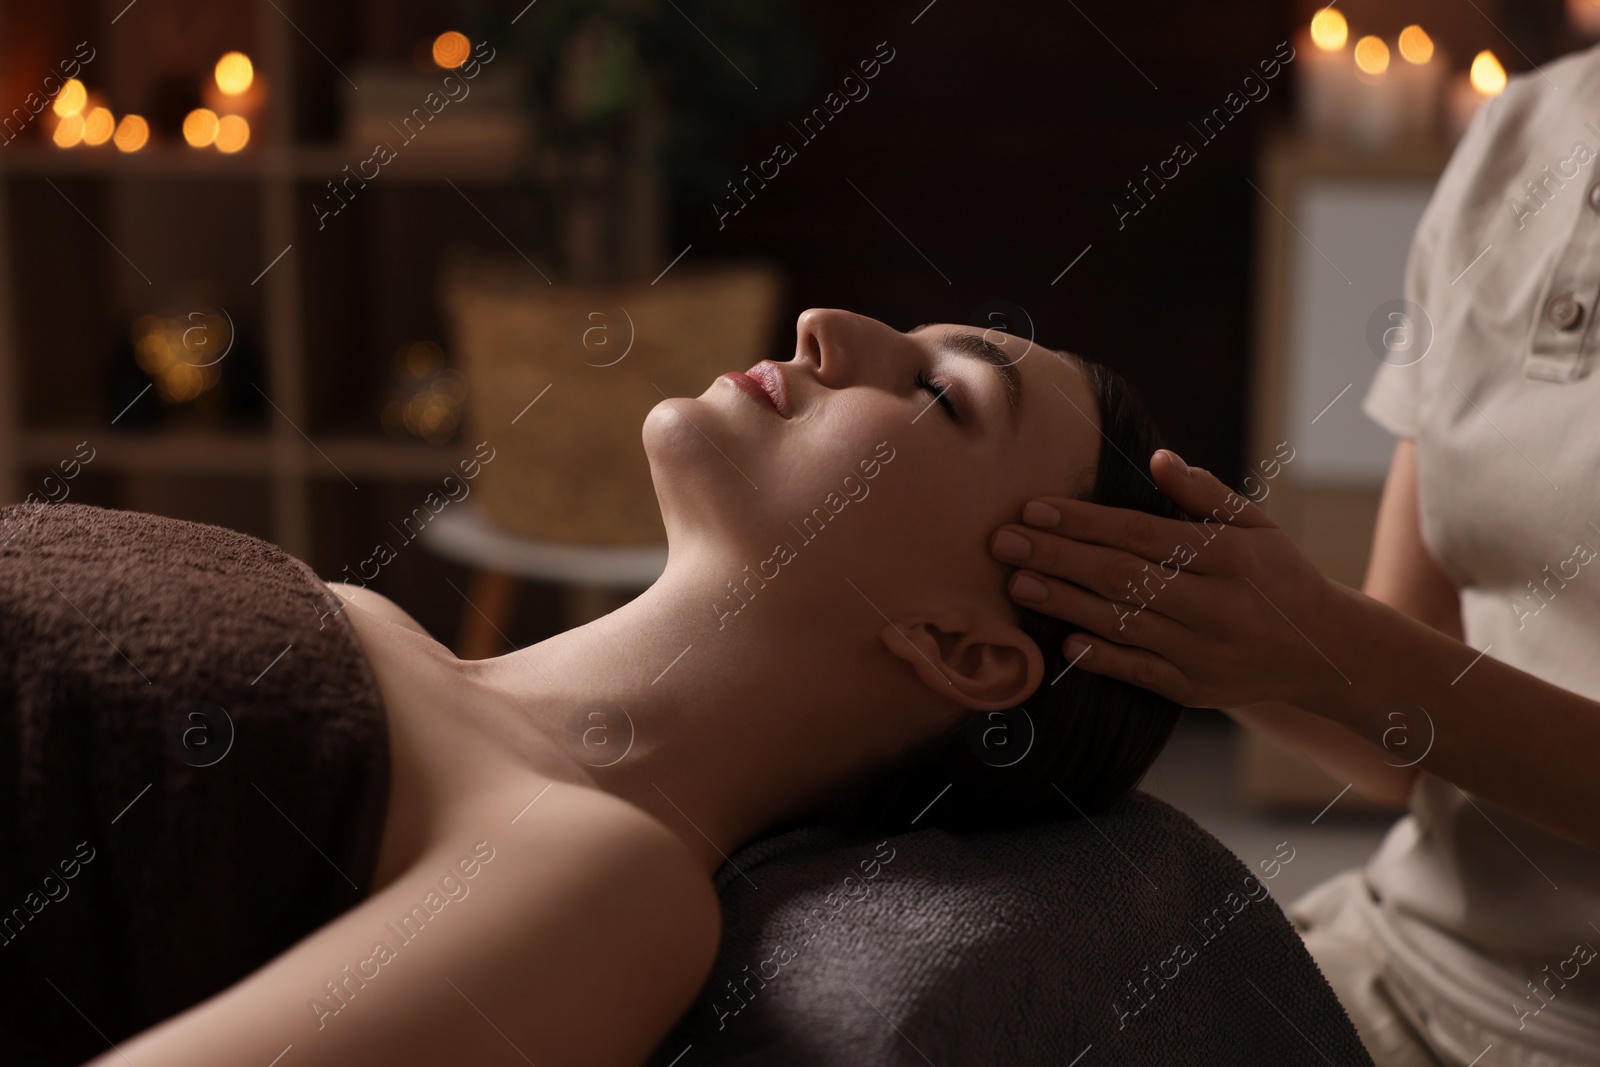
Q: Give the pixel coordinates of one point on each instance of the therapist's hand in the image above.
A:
(1222, 611)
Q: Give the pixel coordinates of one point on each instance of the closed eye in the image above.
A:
(940, 391)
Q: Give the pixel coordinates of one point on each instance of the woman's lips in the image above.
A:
(751, 387)
(764, 383)
(769, 377)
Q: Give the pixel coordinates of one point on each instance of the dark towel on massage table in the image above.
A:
(194, 769)
(1133, 939)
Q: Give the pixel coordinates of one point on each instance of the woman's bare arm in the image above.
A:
(579, 941)
(1403, 574)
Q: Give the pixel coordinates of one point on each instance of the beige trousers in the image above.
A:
(1348, 956)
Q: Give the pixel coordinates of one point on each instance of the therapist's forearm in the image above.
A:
(1339, 752)
(1498, 732)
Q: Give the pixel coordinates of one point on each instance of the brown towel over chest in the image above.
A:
(194, 769)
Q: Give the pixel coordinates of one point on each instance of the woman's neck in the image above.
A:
(729, 724)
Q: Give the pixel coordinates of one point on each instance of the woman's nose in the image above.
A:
(830, 339)
(809, 329)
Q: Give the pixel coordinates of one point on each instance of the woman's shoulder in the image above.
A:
(557, 812)
(606, 834)
(375, 603)
(591, 892)
(565, 829)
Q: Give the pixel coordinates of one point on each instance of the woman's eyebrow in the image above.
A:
(975, 346)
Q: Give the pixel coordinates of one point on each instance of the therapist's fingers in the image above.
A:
(1136, 666)
(1188, 544)
(1106, 548)
(1194, 490)
(1110, 572)
(1201, 494)
(1134, 624)
(1150, 537)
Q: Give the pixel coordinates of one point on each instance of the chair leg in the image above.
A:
(486, 614)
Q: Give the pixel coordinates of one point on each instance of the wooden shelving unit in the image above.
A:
(295, 299)
(1332, 523)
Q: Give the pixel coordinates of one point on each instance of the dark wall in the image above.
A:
(997, 140)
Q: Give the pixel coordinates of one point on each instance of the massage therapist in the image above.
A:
(1464, 679)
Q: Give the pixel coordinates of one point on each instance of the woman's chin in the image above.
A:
(692, 464)
(670, 431)
(705, 432)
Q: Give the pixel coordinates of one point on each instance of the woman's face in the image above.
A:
(894, 458)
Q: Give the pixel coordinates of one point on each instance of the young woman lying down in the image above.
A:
(830, 639)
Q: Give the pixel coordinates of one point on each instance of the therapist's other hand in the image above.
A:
(1222, 611)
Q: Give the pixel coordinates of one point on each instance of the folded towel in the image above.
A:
(1131, 938)
(194, 769)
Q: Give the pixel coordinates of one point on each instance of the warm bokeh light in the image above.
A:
(98, 126)
(162, 350)
(132, 134)
(1329, 31)
(71, 98)
(427, 398)
(1488, 76)
(234, 73)
(1415, 45)
(450, 49)
(200, 127)
(233, 133)
(418, 360)
(1372, 55)
(69, 131)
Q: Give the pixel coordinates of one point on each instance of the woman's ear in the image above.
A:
(984, 664)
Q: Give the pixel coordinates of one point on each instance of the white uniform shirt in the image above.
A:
(1504, 407)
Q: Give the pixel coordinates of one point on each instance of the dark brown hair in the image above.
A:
(1081, 741)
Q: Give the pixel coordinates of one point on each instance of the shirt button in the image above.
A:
(1563, 311)
(1594, 196)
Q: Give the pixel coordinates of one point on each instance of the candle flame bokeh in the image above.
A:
(69, 131)
(235, 73)
(450, 49)
(98, 126)
(1488, 76)
(71, 98)
(233, 133)
(132, 133)
(1372, 55)
(1329, 31)
(1415, 45)
(200, 127)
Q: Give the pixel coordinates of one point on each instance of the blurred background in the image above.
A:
(393, 284)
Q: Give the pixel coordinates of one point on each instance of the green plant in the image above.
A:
(633, 101)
